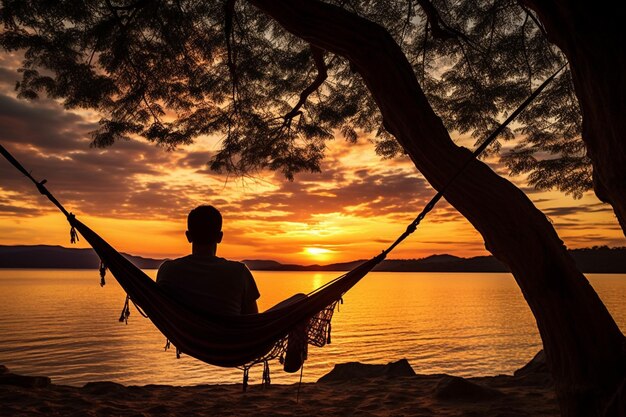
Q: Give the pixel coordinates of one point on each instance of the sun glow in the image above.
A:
(319, 254)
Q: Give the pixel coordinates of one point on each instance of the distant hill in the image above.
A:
(592, 260)
(58, 257)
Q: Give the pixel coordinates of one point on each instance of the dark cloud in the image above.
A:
(385, 192)
(42, 124)
(9, 63)
(574, 210)
(53, 144)
(196, 160)
(8, 77)
(12, 210)
(127, 179)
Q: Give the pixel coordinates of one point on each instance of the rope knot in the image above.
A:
(41, 187)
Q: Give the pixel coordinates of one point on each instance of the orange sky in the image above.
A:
(137, 196)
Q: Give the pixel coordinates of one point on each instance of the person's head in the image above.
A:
(204, 226)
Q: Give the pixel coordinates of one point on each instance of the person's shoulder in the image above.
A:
(236, 265)
(170, 263)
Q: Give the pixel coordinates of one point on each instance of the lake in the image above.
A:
(62, 324)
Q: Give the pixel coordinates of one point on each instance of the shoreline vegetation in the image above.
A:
(598, 259)
(349, 389)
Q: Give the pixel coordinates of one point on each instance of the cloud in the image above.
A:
(43, 125)
(8, 77)
(562, 211)
(356, 201)
(53, 144)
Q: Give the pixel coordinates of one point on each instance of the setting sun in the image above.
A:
(317, 253)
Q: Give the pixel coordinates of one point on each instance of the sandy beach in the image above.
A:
(350, 389)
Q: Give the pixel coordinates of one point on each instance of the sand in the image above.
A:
(354, 390)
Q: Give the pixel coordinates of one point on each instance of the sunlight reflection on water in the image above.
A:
(60, 323)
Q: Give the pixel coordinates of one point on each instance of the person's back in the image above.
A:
(204, 282)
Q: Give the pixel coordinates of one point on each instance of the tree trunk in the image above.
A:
(582, 342)
(594, 41)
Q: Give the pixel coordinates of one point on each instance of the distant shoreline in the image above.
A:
(590, 260)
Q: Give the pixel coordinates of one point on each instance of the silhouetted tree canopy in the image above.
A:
(171, 71)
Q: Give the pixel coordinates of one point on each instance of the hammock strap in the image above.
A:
(433, 201)
(479, 150)
(39, 184)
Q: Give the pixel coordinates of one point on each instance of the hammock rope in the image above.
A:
(242, 341)
(479, 150)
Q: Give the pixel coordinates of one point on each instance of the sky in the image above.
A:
(137, 195)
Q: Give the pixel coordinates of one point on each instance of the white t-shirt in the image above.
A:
(208, 284)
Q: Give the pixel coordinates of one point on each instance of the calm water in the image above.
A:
(60, 323)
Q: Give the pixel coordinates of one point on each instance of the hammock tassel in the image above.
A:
(167, 345)
(246, 371)
(73, 235)
(328, 333)
(103, 270)
(266, 374)
(70, 216)
(125, 311)
(177, 353)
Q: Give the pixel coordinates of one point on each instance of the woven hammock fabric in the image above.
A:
(226, 341)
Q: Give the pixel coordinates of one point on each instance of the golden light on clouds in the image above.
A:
(137, 196)
(352, 210)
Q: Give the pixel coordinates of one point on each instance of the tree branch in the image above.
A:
(229, 12)
(435, 20)
(135, 5)
(322, 74)
(439, 28)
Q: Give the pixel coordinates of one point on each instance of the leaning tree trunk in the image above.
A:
(583, 344)
(593, 39)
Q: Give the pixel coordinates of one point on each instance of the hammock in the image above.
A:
(241, 341)
(224, 340)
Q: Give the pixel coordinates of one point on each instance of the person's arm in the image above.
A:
(250, 293)
(161, 273)
(250, 307)
(162, 277)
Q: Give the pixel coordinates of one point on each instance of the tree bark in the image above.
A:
(582, 342)
(594, 41)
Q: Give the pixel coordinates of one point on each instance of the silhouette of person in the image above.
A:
(203, 281)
